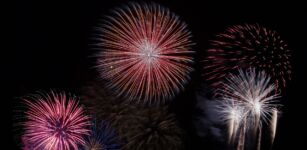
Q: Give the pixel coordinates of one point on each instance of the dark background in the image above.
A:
(51, 51)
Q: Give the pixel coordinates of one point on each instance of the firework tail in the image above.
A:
(231, 131)
(256, 128)
(242, 136)
(273, 125)
(259, 139)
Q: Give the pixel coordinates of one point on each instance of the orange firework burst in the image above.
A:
(145, 52)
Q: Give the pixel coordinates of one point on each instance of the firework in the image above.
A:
(55, 121)
(156, 129)
(138, 127)
(105, 106)
(103, 137)
(233, 114)
(248, 101)
(145, 53)
(244, 46)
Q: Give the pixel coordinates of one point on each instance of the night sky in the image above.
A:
(51, 50)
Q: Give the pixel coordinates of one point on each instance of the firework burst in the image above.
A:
(233, 114)
(105, 106)
(103, 137)
(138, 127)
(248, 101)
(154, 129)
(145, 52)
(244, 46)
(55, 121)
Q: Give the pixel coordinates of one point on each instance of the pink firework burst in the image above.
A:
(244, 46)
(145, 52)
(54, 122)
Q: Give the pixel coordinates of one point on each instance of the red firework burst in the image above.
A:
(145, 52)
(244, 46)
(54, 122)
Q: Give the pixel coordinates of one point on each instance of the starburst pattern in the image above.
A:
(55, 121)
(248, 101)
(145, 52)
(244, 46)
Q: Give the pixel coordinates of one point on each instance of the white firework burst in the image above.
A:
(232, 114)
(248, 101)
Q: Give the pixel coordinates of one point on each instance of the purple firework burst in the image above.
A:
(54, 121)
(244, 46)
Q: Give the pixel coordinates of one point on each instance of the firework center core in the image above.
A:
(148, 51)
